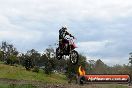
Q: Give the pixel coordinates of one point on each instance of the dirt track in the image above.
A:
(39, 84)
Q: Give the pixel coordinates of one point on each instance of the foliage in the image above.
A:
(28, 63)
(130, 58)
(33, 59)
(100, 67)
(1, 56)
(8, 53)
(34, 56)
(48, 68)
(19, 73)
(12, 59)
(50, 62)
(36, 69)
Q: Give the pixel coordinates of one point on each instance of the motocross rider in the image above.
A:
(62, 38)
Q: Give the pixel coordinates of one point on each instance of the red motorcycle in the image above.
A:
(68, 50)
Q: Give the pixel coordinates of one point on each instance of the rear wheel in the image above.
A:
(58, 55)
(81, 80)
(74, 57)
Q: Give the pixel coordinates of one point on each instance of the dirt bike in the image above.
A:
(69, 51)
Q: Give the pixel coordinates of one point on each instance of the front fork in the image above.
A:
(69, 49)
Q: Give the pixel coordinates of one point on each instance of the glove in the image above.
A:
(73, 37)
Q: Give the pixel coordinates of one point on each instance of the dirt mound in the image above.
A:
(39, 84)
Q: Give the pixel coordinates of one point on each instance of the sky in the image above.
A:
(102, 27)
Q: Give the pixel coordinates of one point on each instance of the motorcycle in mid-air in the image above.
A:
(68, 51)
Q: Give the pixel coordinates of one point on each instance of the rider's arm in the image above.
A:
(67, 33)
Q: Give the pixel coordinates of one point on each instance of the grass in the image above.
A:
(71, 86)
(12, 72)
(19, 73)
(109, 86)
(3, 86)
(17, 86)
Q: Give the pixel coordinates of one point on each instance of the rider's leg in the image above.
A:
(61, 46)
(66, 43)
(60, 40)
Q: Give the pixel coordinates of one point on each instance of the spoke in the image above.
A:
(74, 57)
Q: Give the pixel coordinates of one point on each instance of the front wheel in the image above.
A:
(74, 57)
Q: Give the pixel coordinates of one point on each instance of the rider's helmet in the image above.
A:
(64, 27)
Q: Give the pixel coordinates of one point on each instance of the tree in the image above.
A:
(1, 56)
(100, 67)
(9, 53)
(50, 61)
(48, 68)
(31, 58)
(61, 65)
(91, 66)
(130, 58)
(34, 56)
(130, 61)
(50, 53)
(21, 57)
(4, 49)
(28, 63)
(12, 59)
(43, 60)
